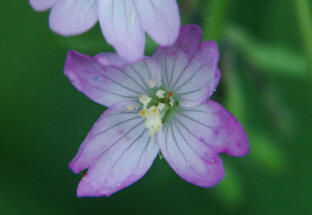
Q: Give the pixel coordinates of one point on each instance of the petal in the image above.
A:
(118, 151)
(41, 5)
(193, 160)
(160, 18)
(211, 124)
(188, 41)
(109, 84)
(71, 17)
(191, 74)
(121, 28)
(110, 59)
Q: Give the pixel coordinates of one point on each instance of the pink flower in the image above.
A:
(123, 22)
(158, 104)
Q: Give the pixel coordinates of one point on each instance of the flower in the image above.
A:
(123, 23)
(173, 116)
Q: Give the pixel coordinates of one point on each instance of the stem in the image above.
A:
(213, 20)
(302, 8)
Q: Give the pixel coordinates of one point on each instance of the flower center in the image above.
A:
(156, 108)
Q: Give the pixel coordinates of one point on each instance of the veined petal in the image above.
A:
(118, 151)
(108, 84)
(121, 27)
(191, 159)
(214, 126)
(160, 18)
(71, 17)
(188, 41)
(41, 5)
(117, 123)
(189, 68)
(199, 77)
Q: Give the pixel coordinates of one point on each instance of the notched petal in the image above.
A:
(117, 152)
(104, 84)
(194, 161)
(216, 127)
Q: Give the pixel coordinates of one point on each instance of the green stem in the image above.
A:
(213, 20)
(305, 24)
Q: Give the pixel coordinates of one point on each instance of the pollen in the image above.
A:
(169, 95)
(153, 120)
(143, 113)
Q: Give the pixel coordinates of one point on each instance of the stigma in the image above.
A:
(152, 119)
(151, 113)
(155, 108)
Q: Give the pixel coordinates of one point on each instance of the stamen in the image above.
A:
(160, 93)
(144, 99)
(131, 107)
(171, 101)
(161, 106)
(155, 109)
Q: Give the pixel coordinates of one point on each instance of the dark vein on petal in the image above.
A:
(90, 9)
(166, 143)
(136, 72)
(182, 73)
(194, 120)
(113, 15)
(127, 120)
(192, 110)
(191, 77)
(122, 113)
(192, 91)
(178, 146)
(173, 69)
(125, 134)
(127, 149)
(113, 81)
(141, 154)
(116, 94)
(166, 71)
(148, 70)
(187, 142)
(135, 81)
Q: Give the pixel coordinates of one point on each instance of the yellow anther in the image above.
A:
(143, 113)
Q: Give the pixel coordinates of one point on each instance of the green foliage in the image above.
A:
(264, 64)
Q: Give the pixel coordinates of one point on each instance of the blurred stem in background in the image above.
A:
(214, 18)
(305, 24)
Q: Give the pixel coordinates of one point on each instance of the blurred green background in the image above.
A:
(265, 60)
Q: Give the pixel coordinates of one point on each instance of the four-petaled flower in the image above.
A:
(123, 22)
(158, 104)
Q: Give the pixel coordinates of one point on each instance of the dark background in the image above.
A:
(265, 54)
